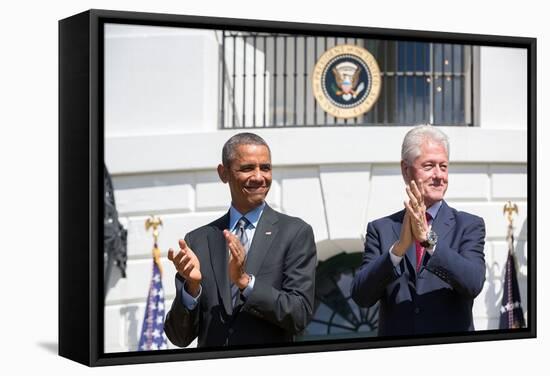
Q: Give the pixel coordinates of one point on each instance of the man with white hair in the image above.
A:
(424, 264)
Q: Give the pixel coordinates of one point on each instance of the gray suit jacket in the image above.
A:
(282, 258)
(437, 299)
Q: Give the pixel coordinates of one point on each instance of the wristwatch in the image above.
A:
(431, 240)
(247, 284)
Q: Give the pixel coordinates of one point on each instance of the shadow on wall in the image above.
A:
(132, 322)
(521, 256)
(331, 247)
(493, 297)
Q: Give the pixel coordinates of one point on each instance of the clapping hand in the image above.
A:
(416, 210)
(188, 266)
(414, 225)
(237, 255)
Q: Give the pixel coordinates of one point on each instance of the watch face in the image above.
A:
(432, 237)
(431, 240)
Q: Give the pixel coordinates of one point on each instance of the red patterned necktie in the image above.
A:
(419, 248)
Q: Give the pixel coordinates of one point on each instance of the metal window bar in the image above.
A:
(443, 83)
(264, 102)
(274, 108)
(255, 51)
(234, 79)
(374, 47)
(315, 102)
(244, 82)
(403, 56)
(285, 76)
(415, 100)
(325, 39)
(451, 80)
(306, 67)
(295, 76)
(222, 90)
(425, 85)
(397, 81)
(384, 78)
(430, 89)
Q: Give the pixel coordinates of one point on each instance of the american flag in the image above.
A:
(152, 331)
(511, 313)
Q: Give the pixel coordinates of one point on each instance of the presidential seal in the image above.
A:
(346, 81)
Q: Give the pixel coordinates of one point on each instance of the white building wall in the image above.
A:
(503, 78)
(154, 75)
(162, 148)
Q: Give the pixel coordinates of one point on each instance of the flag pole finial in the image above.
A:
(155, 222)
(509, 210)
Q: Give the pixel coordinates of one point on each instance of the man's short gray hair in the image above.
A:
(230, 147)
(410, 150)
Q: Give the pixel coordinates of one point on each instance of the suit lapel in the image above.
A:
(219, 258)
(443, 222)
(441, 225)
(263, 238)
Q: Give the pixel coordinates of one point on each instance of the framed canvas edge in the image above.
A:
(92, 346)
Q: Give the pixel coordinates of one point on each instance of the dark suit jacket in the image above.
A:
(439, 298)
(282, 258)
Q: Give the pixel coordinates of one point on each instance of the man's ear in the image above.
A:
(222, 173)
(404, 172)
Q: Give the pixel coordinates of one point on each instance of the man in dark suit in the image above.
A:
(424, 264)
(248, 277)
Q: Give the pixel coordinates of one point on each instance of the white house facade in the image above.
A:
(163, 140)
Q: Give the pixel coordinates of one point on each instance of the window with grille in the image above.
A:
(335, 314)
(266, 82)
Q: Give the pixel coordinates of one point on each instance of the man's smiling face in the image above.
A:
(430, 172)
(249, 176)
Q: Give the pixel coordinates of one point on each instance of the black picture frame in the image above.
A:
(81, 150)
